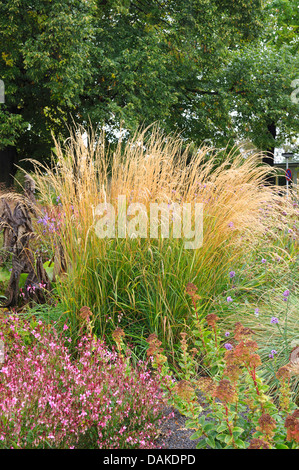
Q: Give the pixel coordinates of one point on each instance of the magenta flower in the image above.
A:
(229, 299)
(286, 293)
(274, 320)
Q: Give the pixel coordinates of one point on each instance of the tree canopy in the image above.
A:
(218, 71)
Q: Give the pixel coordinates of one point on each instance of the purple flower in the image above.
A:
(43, 220)
(286, 293)
(227, 333)
(273, 352)
(263, 260)
(232, 274)
(231, 224)
(274, 320)
(229, 299)
(256, 312)
(228, 346)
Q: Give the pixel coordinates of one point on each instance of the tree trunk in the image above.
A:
(8, 158)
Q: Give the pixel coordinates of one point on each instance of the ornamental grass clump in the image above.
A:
(90, 399)
(144, 278)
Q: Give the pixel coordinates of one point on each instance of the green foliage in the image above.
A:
(12, 127)
(259, 83)
(282, 24)
(125, 63)
(43, 63)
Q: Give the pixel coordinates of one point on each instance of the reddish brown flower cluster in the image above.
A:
(241, 332)
(184, 344)
(85, 313)
(225, 391)
(254, 361)
(155, 350)
(258, 444)
(206, 385)
(230, 358)
(233, 372)
(283, 372)
(292, 425)
(185, 390)
(118, 334)
(212, 319)
(191, 290)
(154, 344)
(243, 352)
(267, 425)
